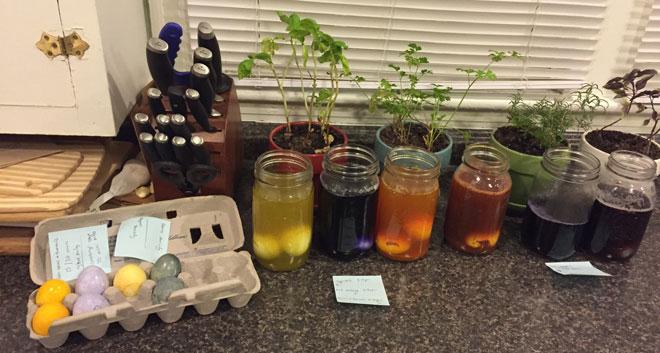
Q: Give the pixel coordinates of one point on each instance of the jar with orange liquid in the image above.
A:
(478, 200)
(407, 201)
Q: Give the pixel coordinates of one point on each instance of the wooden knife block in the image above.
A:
(224, 145)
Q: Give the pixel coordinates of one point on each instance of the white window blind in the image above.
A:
(648, 53)
(557, 37)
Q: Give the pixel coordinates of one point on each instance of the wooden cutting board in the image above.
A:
(39, 175)
(66, 194)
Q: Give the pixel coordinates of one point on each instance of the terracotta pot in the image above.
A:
(382, 149)
(604, 156)
(522, 168)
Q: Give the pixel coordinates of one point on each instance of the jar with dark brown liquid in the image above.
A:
(478, 199)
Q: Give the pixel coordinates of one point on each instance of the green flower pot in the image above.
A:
(522, 167)
(382, 150)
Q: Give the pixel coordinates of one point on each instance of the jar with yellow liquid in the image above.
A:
(282, 207)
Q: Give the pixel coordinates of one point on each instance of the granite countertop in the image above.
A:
(447, 302)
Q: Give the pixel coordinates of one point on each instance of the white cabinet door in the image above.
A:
(27, 76)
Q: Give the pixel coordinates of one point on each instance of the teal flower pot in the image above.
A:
(382, 149)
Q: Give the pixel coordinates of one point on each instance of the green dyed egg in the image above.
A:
(164, 288)
(167, 265)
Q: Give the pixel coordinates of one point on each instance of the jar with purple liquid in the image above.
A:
(347, 203)
(560, 200)
(625, 200)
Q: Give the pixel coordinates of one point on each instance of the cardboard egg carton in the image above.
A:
(204, 233)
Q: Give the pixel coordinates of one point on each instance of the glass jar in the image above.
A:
(407, 200)
(478, 200)
(347, 207)
(625, 200)
(282, 207)
(561, 197)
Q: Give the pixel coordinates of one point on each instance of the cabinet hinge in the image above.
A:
(53, 46)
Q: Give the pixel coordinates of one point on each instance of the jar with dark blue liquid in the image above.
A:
(347, 202)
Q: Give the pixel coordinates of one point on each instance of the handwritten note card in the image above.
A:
(143, 238)
(74, 249)
(576, 268)
(360, 290)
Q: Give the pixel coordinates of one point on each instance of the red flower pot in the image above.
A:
(315, 158)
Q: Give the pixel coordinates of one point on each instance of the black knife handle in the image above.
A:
(206, 39)
(181, 151)
(155, 101)
(198, 111)
(159, 64)
(200, 81)
(177, 99)
(163, 124)
(143, 123)
(163, 147)
(202, 155)
(204, 56)
(148, 148)
(180, 126)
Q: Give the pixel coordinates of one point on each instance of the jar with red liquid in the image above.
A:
(407, 200)
(561, 197)
(478, 199)
(625, 200)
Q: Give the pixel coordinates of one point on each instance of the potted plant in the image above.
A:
(534, 128)
(404, 102)
(630, 89)
(314, 53)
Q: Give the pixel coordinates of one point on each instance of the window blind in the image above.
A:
(557, 37)
(648, 52)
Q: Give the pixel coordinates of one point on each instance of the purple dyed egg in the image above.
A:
(92, 280)
(89, 302)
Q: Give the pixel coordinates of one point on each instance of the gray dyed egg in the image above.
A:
(167, 265)
(164, 288)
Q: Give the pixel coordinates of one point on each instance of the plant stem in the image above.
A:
(302, 84)
(284, 102)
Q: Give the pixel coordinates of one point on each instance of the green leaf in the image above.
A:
(283, 17)
(395, 67)
(269, 46)
(264, 57)
(344, 65)
(323, 95)
(309, 25)
(245, 68)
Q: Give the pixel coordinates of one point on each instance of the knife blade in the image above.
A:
(200, 81)
(198, 111)
(180, 126)
(159, 64)
(163, 123)
(155, 101)
(147, 146)
(177, 99)
(143, 123)
(164, 148)
(201, 154)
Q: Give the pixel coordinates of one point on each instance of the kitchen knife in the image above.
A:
(201, 154)
(200, 81)
(163, 123)
(159, 64)
(180, 126)
(204, 56)
(163, 147)
(155, 101)
(177, 99)
(143, 124)
(198, 111)
(181, 151)
(148, 148)
(206, 38)
(171, 33)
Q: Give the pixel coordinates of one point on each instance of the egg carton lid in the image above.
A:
(200, 226)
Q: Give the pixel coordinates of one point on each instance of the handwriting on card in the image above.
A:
(144, 238)
(74, 249)
(360, 290)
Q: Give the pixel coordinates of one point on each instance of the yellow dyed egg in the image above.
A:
(265, 247)
(46, 315)
(53, 291)
(419, 228)
(129, 278)
(295, 240)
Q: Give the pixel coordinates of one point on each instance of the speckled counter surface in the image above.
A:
(447, 302)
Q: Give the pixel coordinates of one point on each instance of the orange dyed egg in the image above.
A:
(393, 245)
(419, 228)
